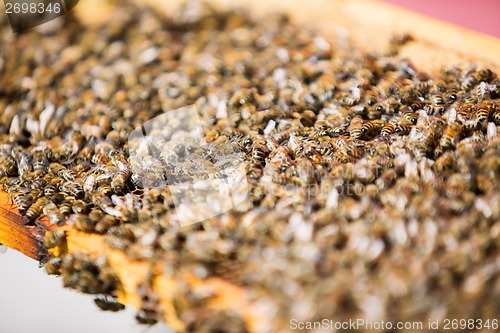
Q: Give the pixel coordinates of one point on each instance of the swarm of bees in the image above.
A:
(371, 182)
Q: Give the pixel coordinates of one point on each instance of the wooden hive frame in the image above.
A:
(436, 44)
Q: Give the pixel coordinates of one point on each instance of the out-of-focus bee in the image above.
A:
(82, 222)
(53, 213)
(418, 105)
(66, 206)
(106, 222)
(241, 98)
(54, 238)
(444, 163)
(147, 317)
(79, 206)
(495, 115)
(370, 97)
(103, 202)
(105, 189)
(484, 75)
(108, 303)
(53, 266)
(450, 96)
(36, 209)
(255, 173)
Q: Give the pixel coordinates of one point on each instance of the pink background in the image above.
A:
(479, 15)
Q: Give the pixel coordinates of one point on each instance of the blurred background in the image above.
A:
(480, 15)
(34, 302)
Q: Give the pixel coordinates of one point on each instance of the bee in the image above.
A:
(105, 189)
(370, 97)
(241, 98)
(61, 171)
(388, 129)
(418, 105)
(403, 129)
(99, 159)
(50, 189)
(259, 152)
(411, 116)
(73, 188)
(102, 201)
(54, 238)
(444, 163)
(79, 206)
(123, 175)
(483, 111)
(36, 209)
(495, 115)
(147, 317)
(40, 161)
(108, 303)
(23, 201)
(53, 213)
(106, 222)
(66, 206)
(450, 96)
(82, 222)
(355, 127)
(53, 266)
(484, 75)
(371, 128)
(450, 137)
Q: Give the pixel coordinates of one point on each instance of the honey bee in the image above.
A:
(106, 222)
(355, 127)
(23, 201)
(36, 209)
(411, 116)
(79, 206)
(73, 188)
(52, 212)
(122, 176)
(53, 266)
(50, 189)
(40, 161)
(450, 138)
(403, 129)
(370, 97)
(388, 129)
(371, 128)
(82, 222)
(483, 111)
(147, 317)
(66, 205)
(54, 238)
(108, 303)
